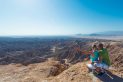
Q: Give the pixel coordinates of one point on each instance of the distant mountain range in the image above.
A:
(107, 33)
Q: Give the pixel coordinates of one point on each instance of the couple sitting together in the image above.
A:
(99, 59)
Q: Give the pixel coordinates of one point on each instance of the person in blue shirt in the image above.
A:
(94, 56)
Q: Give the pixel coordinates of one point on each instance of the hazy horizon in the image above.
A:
(59, 17)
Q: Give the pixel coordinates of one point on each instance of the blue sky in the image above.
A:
(60, 17)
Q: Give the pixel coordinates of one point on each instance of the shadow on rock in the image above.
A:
(106, 78)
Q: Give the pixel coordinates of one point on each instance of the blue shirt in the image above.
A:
(95, 57)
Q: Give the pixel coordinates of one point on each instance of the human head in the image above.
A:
(100, 46)
(94, 47)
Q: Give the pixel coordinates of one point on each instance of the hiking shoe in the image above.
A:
(101, 73)
(95, 72)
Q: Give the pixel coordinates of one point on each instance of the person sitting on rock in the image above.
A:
(99, 59)
(94, 57)
(104, 60)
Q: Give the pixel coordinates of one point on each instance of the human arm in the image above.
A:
(87, 52)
